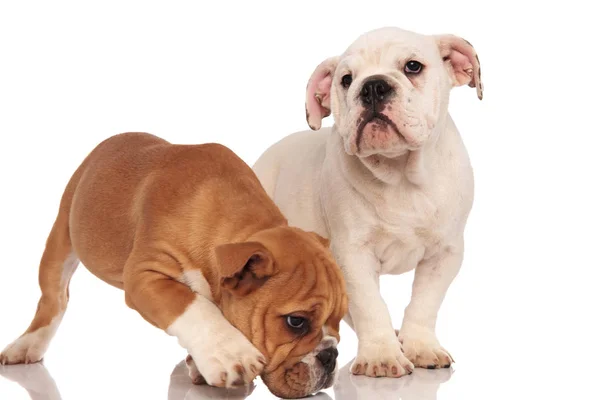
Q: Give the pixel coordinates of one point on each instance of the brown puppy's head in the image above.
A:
(284, 291)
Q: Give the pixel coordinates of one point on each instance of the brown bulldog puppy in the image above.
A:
(201, 251)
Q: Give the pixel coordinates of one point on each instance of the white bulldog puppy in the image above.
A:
(390, 183)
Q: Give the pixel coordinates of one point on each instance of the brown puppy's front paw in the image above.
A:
(195, 375)
(422, 348)
(381, 359)
(226, 367)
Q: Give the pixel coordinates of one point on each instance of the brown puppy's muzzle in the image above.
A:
(303, 379)
(327, 357)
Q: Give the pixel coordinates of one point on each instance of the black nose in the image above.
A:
(374, 91)
(327, 358)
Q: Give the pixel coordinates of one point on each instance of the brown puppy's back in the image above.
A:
(143, 185)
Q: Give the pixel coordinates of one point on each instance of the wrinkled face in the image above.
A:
(387, 94)
(390, 88)
(289, 300)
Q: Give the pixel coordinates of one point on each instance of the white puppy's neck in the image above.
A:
(413, 167)
(392, 171)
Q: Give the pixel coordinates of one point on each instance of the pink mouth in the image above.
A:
(376, 130)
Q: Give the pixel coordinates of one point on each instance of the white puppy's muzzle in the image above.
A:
(377, 128)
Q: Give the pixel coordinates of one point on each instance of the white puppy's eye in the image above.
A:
(296, 323)
(413, 67)
(347, 81)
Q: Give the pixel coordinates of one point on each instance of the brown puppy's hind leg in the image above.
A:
(57, 265)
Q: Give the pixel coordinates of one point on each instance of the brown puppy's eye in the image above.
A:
(347, 81)
(297, 324)
(413, 67)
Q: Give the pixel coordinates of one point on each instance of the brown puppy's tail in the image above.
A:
(57, 266)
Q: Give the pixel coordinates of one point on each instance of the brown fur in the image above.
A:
(140, 211)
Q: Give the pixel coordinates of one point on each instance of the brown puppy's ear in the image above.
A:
(461, 61)
(244, 267)
(321, 239)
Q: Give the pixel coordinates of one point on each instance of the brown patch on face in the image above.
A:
(298, 375)
(297, 379)
(306, 282)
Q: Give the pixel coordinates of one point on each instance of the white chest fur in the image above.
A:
(411, 224)
(402, 223)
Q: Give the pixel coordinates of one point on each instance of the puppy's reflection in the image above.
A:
(182, 388)
(34, 378)
(40, 385)
(422, 384)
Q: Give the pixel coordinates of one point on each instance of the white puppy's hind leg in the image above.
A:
(417, 335)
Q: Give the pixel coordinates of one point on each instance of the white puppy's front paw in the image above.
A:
(422, 348)
(381, 358)
(230, 364)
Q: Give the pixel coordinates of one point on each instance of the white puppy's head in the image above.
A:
(390, 88)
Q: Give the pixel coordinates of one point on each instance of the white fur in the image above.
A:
(326, 342)
(31, 347)
(384, 214)
(317, 372)
(69, 267)
(215, 345)
(197, 282)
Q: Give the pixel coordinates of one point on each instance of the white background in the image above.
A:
(521, 319)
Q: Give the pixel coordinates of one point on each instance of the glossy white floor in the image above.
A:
(509, 342)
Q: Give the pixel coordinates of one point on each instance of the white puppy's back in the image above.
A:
(288, 170)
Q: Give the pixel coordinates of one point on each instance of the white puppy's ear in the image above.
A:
(461, 61)
(318, 93)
